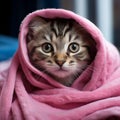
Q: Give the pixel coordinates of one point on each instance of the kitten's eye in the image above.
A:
(47, 47)
(73, 47)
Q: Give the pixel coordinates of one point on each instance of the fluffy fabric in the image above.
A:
(29, 94)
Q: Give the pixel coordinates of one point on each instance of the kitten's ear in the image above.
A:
(35, 25)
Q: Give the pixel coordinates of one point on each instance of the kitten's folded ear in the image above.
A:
(34, 26)
(36, 23)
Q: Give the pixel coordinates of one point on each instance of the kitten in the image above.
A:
(59, 47)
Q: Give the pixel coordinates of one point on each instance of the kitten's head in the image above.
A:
(59, 47)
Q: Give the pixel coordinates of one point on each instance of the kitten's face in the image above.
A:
(58, 47)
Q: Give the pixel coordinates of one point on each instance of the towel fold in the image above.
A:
(30, 94)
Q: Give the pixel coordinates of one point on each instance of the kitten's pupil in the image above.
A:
(47, 47)
(73, 47)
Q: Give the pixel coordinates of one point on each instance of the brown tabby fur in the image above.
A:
(59, 47)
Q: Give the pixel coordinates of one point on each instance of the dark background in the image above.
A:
(12, 12)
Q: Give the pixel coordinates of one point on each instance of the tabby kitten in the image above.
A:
(59, 47)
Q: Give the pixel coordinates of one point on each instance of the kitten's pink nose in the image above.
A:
(60, 62)
(60, 58)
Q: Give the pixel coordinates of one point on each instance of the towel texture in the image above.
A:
(29, 94)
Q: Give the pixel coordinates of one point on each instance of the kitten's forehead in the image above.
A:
(60, 32)
(68, 37)
(61, 26)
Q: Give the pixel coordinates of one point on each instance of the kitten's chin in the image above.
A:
(64, 77)
(60, 73)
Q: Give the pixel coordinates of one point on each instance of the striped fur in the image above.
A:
(59, 47)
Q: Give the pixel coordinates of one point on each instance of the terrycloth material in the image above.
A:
(29, 94)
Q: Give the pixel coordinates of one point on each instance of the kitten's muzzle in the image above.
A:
(60, 59)
(60, 62)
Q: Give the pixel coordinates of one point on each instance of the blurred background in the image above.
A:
(103, 13)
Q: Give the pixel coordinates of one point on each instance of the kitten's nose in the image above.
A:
(60, 62)
(60, 59)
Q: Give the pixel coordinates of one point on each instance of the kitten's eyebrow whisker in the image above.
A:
(47, 37)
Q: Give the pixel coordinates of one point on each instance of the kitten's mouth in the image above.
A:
(62, 70)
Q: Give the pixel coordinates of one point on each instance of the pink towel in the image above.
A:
(29, 94)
